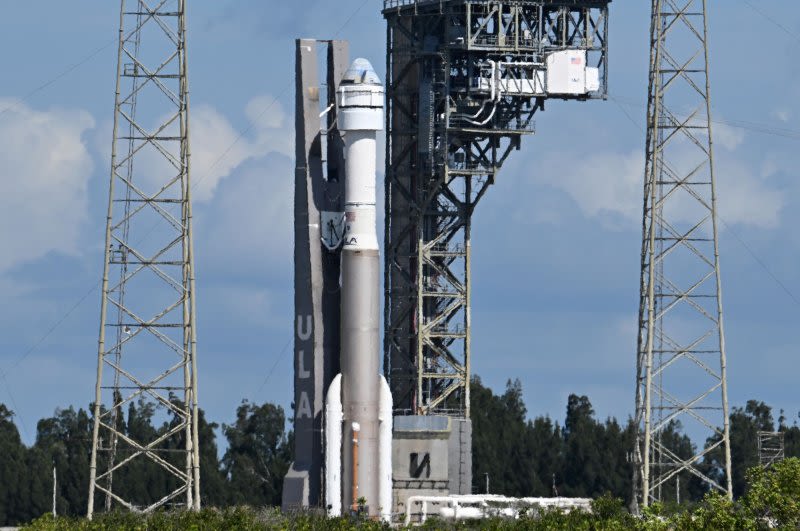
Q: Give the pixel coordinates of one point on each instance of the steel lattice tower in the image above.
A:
(681, 367)
(147, 342)
(771, 447)
(446, 146)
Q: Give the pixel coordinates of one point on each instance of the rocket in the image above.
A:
(358, 409)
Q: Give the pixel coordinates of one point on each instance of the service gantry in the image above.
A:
(464, 81)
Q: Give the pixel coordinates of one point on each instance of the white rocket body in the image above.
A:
(361, 397)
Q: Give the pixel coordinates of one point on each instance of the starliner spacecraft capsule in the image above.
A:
(358, 409)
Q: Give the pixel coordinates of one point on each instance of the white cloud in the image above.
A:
(218, 149)
(601, 183)
(784, 115)
(248, 228)
(727, 137)
(608, 185)
(46, 169)
(745, 197)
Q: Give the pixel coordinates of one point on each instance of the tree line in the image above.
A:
(583, 456)
(250, 472)
(587, 457)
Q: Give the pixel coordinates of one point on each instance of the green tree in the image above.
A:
(545, 445)
(141, 481)
(773, 496)
(213, 488)
(684, 486)
(257, 456)
(12, 471)
(500, 441)
(615, 467)
(745, 423)
(63, 441)
(582, 448)
(791, 437)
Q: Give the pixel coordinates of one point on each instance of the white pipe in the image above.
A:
(493, 82)
(495, 94)
(521, 63)
(473, 506)
(498, 78)
(333, 447)
(423, 500)
(486, 121)
(385, 451)
(461, 513)
(472, 116)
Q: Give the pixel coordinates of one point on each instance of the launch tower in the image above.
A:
(465, 79)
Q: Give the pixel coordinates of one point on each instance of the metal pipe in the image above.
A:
(195, 433)
(726, 430)
(356, 429)
(475, 506)
(104, 290)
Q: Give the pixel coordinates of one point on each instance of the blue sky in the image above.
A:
(556, 242)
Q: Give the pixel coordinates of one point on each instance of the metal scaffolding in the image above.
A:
(681, 367)
(448, 139)
(147, 343)
(770, 448)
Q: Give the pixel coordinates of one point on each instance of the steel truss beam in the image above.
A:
(771, 448)
(147, 341)
(681, 365)
(445, 148)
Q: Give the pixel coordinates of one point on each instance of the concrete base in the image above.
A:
(295, 490)
(431, 456)
(460, 456)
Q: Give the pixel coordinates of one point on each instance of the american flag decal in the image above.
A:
(577, 61)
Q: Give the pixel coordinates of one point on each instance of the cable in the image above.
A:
(46, 84)
(47, 334)
(14, 405)
(282, 92)
(49, 331)
(627, 115)
(739, 124)
(761, 262)
(278, 359)
(350, 18)
(752, 253)
(786, 30)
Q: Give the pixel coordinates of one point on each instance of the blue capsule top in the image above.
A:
(361, 73)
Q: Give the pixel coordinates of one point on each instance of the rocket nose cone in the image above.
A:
(361, 73)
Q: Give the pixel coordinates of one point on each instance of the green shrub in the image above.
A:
(773, 496)
(772, 501)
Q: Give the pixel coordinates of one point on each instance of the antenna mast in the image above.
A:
(147, 343)
(681, 367)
